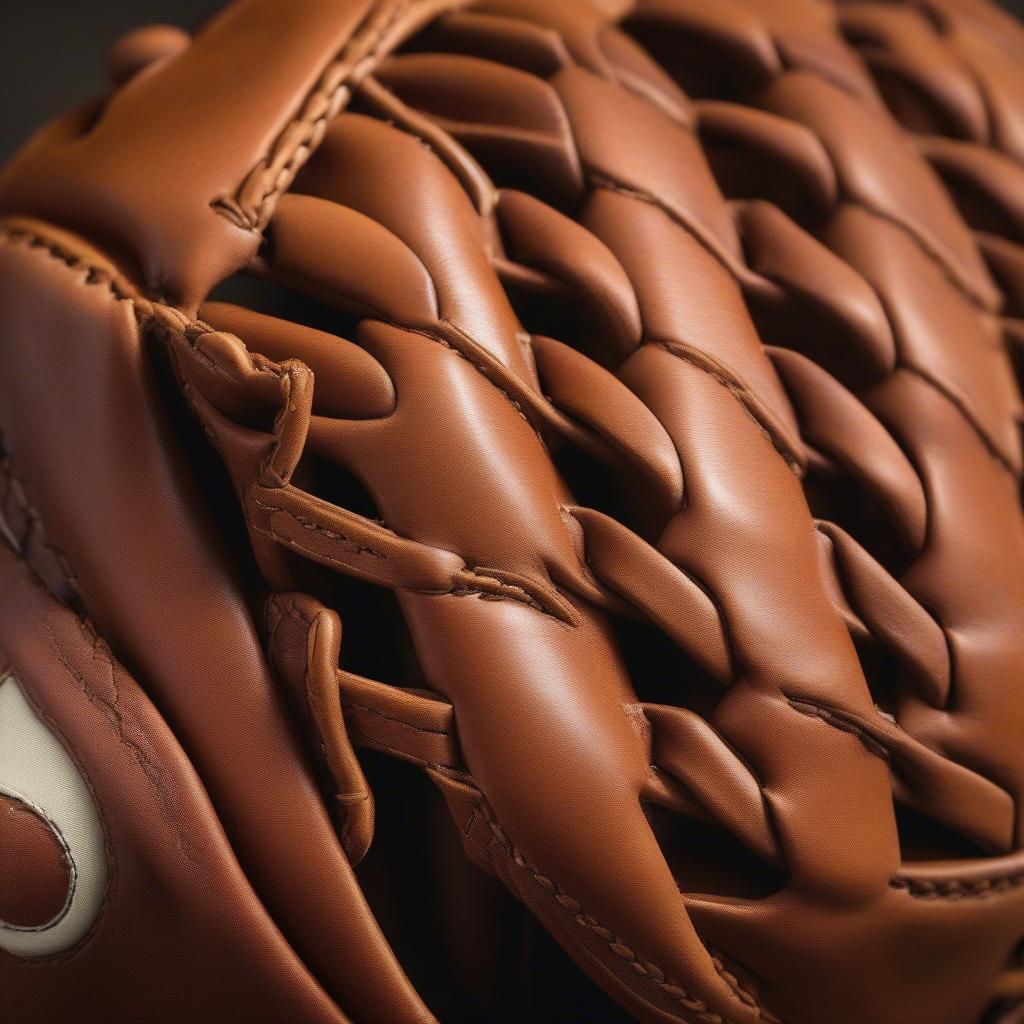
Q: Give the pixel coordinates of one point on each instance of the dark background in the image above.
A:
(52, 51)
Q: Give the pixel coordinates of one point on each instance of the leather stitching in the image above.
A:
(619, 949)
(288, 153)
(602, 180)
(114, 712)
(93, 274)
(813, 710)
(742, 394)
(100, 651)
(930, 379)
(930, 249)
(965, 411)
(308, 524)
(15, 490)
(69, 860)
(489, 588)
(744, 993)
(397, 721)
(955, 888)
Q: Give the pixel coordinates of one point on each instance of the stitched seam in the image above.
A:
(742, 395)
(304, 147)
(192, 333)
(499, 591)
(812, 710)
(397, 721)
(497, 588)
(619, 949)
(93, 275)
(503, 592)
(965, 412)
(364, 739)
(193, 399)
(507, 592)
(956, 888)
(745, 994)
(349, 801)
(281, 610)
(955, 400)
(602, 180)
(16, 490)
(930, 250)
(313, 527)
(114, 714)
(68, 859)
(481, 369)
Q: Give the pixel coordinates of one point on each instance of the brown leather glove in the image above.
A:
(952, 71)
(598, 411)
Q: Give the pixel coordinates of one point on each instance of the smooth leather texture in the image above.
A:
(606, 408)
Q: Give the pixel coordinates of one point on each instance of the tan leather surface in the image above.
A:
(617, 422)
(951, 73)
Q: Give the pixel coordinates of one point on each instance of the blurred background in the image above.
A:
(52, 51)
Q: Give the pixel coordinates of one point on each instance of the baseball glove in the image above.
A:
(579, 432)
(952, 72)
